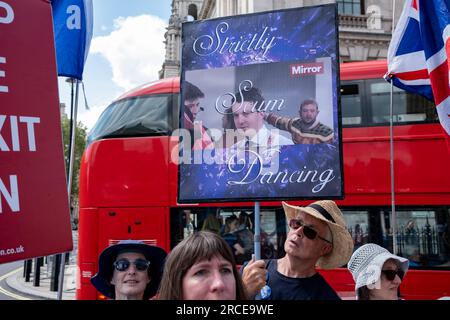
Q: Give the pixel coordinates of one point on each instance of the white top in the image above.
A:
(266, 143)
(265, 138)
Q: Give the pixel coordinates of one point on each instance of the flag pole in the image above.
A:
(257, 237)
(73, 127)
(391, 144)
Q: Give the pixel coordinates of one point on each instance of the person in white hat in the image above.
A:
(318, 237)
(377, 272)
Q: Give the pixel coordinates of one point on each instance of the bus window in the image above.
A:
(184, 221)
(238, 232)
(422, 237)
(358, 226)
(351, 104)
(270, 233)
(133, 117)
(269, 243)
(379, 96)
(273, 232)
(407, 107)
(190, 223)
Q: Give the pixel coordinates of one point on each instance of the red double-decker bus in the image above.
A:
(128, 185)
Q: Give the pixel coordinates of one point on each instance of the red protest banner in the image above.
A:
(34, 211)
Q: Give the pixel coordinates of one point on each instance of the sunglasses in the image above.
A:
(309, 232)
(124, 264)
(390, 274)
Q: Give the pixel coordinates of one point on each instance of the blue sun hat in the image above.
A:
(154, 254)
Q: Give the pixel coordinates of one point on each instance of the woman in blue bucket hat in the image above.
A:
(129, 270)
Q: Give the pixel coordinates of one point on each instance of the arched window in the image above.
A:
(350, 6)
(192, 11)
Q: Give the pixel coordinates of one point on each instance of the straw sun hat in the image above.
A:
(328, 212)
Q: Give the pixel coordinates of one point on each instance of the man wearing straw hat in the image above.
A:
(317, 236)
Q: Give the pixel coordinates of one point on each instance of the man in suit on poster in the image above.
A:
(249, 122)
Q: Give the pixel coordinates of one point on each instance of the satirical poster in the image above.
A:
(259, 107)
(34, 206)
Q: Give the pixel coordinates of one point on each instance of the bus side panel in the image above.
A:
(145, 224)
(367, 173)
(341, 280)
(173, 171)
(125, 172)
(87, 253)
(434, 284)
(150, 224)
(84, 179)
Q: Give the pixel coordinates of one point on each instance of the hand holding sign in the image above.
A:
(254, 276)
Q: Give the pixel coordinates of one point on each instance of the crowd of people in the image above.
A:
(204, 265)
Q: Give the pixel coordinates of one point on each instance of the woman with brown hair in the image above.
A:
(201, 267)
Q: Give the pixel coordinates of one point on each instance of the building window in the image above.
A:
(192, 11)
(350, 6)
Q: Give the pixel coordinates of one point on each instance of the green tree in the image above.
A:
(80, 144)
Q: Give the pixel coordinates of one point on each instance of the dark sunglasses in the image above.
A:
(124, 264)
(309, 232)
(390, 274)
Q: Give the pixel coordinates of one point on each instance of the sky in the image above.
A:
(126, 50)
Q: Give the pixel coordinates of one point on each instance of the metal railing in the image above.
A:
(353, 21)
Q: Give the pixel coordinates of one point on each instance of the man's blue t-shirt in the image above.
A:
(287, 288)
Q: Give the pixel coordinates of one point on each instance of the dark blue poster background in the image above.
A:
(288, 57)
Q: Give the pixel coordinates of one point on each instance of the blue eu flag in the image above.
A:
(72, 24)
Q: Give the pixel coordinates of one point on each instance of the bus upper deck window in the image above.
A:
(134, 117)
(351, 104)
(407, 107)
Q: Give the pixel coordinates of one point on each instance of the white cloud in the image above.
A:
(135, 52)
(90, 117)
(135, 49)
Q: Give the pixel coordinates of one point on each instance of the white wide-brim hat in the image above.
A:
(328, 212)
(367, 262)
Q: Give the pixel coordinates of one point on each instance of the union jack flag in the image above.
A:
(418, 56)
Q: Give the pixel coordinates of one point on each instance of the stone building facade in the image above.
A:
(365, 26)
